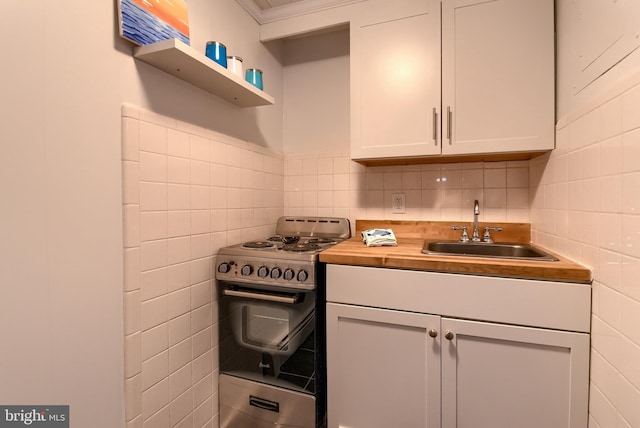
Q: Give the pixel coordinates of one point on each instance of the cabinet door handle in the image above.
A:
(449, 335)
(433, 333)
(435, 126)
(449, 118)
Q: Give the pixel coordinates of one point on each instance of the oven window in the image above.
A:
(265, 325)
(272, 326)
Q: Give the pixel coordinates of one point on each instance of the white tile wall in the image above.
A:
(586, 200)
(186, 193)
(330, 184)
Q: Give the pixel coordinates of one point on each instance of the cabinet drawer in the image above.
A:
(557, 305)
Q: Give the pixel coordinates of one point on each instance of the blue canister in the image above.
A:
(217, 52)
(254, 76)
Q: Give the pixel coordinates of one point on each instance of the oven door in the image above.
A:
(268, 336)
(275, 323)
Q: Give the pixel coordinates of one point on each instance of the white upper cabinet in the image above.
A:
(495, 94)
(395, 79)
(498, 76)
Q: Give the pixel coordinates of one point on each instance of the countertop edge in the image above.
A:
(407, 255)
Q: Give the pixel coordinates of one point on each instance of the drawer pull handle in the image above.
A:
(261, 403)
(433, 333)
(449, 335)
(293, 299)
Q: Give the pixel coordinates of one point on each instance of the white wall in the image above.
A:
(65, 75)
(586, 202)
(597, 44)
(316, 93)
(225, 21)
(586, 205)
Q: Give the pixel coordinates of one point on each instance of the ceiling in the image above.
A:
(268, 4)
(265, 11)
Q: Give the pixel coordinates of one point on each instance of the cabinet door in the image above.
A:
(383, 368)
(497, 375)
(395, 79)
(497, 76)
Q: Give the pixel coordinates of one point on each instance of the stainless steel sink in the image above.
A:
(483, 249)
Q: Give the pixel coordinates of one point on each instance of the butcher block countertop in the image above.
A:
(411, 236)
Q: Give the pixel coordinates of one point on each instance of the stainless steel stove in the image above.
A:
(272, 354)
(288, 258)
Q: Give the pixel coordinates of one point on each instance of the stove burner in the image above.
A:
(299, 248)
(257, 244)
(285, 239)
(321, 241)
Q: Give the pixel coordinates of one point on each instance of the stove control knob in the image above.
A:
(263, 271)
(288, 274)
(303, 276)
(276, 273)
(246, 270)
(224, 267)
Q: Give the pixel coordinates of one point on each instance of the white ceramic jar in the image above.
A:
(234, 63)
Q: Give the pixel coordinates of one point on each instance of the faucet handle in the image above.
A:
(465, 235)
(487, 233)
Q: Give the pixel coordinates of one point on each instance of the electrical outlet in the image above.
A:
(398, 203)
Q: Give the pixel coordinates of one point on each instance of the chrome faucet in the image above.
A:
(475, 237)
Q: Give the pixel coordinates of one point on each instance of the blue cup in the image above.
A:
(217, 52)
(254, 76)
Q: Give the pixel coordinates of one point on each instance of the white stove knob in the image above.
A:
(263, 271)
(224, 267)
(303, 276)
(276, 273)
(288, 274)
(246, 270)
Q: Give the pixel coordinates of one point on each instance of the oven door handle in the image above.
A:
(292, 300)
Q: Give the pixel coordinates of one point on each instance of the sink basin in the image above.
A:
(483, 249)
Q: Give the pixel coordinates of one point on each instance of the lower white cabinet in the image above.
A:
(400, 368)
(383, 368)
(496, 375)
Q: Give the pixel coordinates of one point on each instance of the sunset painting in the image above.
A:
(149, 21)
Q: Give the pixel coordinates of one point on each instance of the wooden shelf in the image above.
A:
(185, 63)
